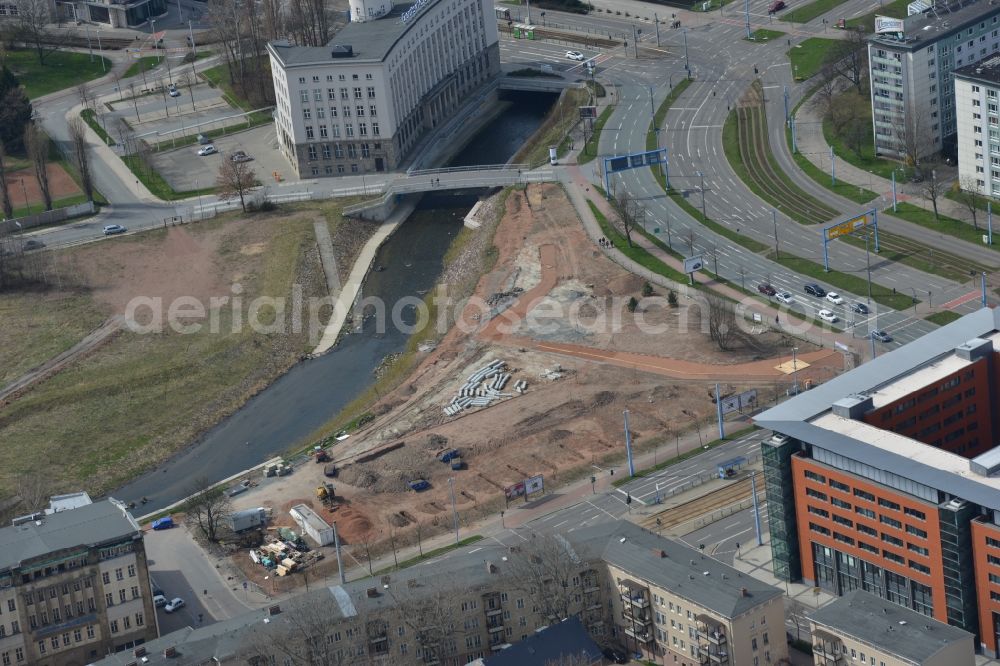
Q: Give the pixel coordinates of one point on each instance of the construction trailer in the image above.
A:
(310, 523)
(240, 521)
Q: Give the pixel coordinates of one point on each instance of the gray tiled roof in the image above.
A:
(891, 627)
(93, 524)
(565, 640)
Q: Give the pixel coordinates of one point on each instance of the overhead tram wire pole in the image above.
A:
(687, 61)
(746, 9)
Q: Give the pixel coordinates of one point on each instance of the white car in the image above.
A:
(175, 604)
(174, 92)
(784, 297)
(159, 601)
(207, 150)
(574, 55)
(835, 298)
(826, 315)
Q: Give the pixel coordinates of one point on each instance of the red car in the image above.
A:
(766, 289)
(776, 6)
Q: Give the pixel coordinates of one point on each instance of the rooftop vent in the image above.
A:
(170, 652)
(853, 406)
(744, 592)
(140, 651)
(274, 610)
(902, 621)
(372, 592)
(976, 348)
(342, 51)
(706, 573)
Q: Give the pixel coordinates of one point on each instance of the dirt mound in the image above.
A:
(358, 476)
(568, 410)
(435, 441)
(625, 285)
(398, 520)
(557, 435)
(352, 525)
(602, 399)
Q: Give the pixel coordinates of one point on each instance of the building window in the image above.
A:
(371, 110)
(333, 112)
(371, 92)
(360, 110)
(106, 577)
(343, 93)
(347, 111)
(363, 129)
(375, 130)
(304, 96)
(312, 152)
(90, 631)
(307, 113)
(357, 93)
(348, 129)
(326, 151)
(331, 93)
(322, 132)
(309, 132)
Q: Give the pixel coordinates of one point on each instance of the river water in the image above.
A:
(314, 391)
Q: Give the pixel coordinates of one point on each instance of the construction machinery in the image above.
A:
(326, 494)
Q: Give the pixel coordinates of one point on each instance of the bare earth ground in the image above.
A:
(142, 397)
(22, 182)
(560, 427)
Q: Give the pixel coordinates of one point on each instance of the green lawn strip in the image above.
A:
(763, 35)
(944, 225)
(943, 317)
(919, 262)
(808, 57)
(894, 9)
(981, 201)
(751, 244)
(39, 207)
(156, 184)
(219, 76)
(90, 118)
(467, 541)
(618, 483)
(807, 13)
(661, 113)
(143, 64)
(635, 253)
(845, 281)
(856, 194)
(866, 160)
(590, 148)
(62, 69)
(596, 89)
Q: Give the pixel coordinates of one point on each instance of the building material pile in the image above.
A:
(483, 387)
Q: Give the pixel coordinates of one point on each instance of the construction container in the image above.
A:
(240, 521)
(310, 523)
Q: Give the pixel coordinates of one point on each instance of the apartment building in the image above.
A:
(74, 586)
(628, 587)
(910, 71)
(363, 101)
(977, 105)
(860, 628)
(885, 479)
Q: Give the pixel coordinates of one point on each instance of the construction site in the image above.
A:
(520, 398)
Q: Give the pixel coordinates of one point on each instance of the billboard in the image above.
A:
(588, 112)
(534, 484)
(692, 264)
(884, 24)
(516, 490)
(848, 226)
(740, 401)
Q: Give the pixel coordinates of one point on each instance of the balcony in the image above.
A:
(827, 649)
(494, 628)
(639, 635)
(640, 617)
(493, 612)
(715, 637)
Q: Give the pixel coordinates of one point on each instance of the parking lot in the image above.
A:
(185, 170)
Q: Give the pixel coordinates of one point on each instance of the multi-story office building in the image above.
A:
(111, 13)
(860, 628)
(626, 585)
(885, 478)
(910, 70)
(74, 586)
(363, 101)
(977, 105)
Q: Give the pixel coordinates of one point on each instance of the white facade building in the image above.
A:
(362, 102)
(977, 89)
(913, 103)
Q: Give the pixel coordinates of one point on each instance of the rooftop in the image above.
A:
(88, 525)
(888, 626)
(986, 71)
(567, 640)
(943, 20)
(371, 41)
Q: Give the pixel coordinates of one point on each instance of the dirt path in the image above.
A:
(88, 344)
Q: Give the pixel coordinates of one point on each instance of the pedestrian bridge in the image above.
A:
(453, 178)
(536, 83)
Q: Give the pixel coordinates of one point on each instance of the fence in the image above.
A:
(727, 511)
(46, 217)
(703, 478)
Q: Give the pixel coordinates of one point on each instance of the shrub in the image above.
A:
(632, 304)
(672, 299)
(647, 290)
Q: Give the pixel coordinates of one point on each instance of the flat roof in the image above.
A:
(805, 417)
(887, 626)
(943, 20)
(985, 71)
(932, 373)
(88, 525)
(309, 516)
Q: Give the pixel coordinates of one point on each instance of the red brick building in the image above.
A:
(887, 479)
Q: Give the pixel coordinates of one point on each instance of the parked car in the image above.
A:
(827, 315)
(615, 656)
(207, 150)
(164, 523)
(204, 140)
(766, 289)
(881, 336)
(814, 289)
(174, 92)
(448, 455)
(776, 6)
(240, 156)
(860, 308)
(835, 298)
(175, 604)
(33, 245)
(419, 484)
(112, 229)
(241, 487)
(785, 297)
(574, 55)
(159, 601)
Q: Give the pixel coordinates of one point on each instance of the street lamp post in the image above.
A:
(701, 175)
(774, 221)
(795, 369)
(100, 52)
(868, 265)
(687, 62)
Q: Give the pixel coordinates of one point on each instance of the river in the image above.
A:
(312, 392)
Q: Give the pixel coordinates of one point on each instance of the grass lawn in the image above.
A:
(943, 317)
(56, 203)
(636, 254)
(894, 9)
(155, 182)
(90, 118)
(918, 260)
(859, 195)
(557, 124)
(866, 159)
(174, 385)
(467, 541)
(808, 57)
(589, 151)
(140, 65)
(62, 69)
(763, 35)
(807, 13)
(944, 225)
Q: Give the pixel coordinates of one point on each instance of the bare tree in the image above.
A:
(300, 635)
(722, 326)
(238, 27)
(33, 19)
(36, 143)
(545, 567)
(967, 189)
(913, 135)
(826, 91)
(188, 81)
(310, 21)
(431, 615)
(797, 612)
(87, 100)
(627, 211)
(849, 59)
(235, 179)
(8, 205)
(81, 155)
(208, 507)
(933, 189)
